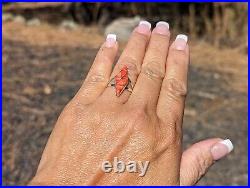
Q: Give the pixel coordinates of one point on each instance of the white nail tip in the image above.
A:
(163, 23)
(181, 36)
(229, 144)
(145, 23)
(111, 36)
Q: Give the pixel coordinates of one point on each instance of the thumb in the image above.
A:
(199, 157)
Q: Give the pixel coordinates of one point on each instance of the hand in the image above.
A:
(144, 126)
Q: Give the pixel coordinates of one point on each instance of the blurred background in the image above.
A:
(48, 49)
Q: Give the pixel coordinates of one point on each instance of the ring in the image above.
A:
(121, 82)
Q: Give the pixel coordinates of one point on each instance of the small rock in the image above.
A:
(6, 17)
(190, 112)
(29, 91)
(68, 24)
(206, 95)
(47, 90)
(216, 76)
(19, 19)
(122, 27)
(33, 22)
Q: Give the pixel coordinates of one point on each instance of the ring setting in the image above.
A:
(121, 82)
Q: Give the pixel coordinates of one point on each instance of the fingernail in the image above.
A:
(221, 149)
(180, 42)
(110, 40)
(162, 28)
(143, 27)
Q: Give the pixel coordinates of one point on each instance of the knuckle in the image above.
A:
(202, 163)
(131, 63)
(96, 78)
(77, 111)
(160, 38)
(173, 135)
(139, 38)
(139, 117)
(151, 69)
(182, 60)
(142, 131)
(156, 49)
(139, 112)
(175, 88)
(182, 57)
(68, 114)
(102, 57)
(169, 135)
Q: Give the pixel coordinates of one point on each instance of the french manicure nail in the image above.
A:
(181, 42)
(162, 28)
(143, 27)
(221, 149)
(110, 40)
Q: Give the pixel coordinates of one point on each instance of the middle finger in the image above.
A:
(149, 82)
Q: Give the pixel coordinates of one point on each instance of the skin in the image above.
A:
(145, 125)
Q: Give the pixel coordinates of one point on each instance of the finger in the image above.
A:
(199, 157)
(100, 71)
(149, 82)
(174, 86)
(132, 58)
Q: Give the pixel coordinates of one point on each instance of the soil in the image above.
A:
(44, 66)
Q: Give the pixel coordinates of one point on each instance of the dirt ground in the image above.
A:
(43, 67)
